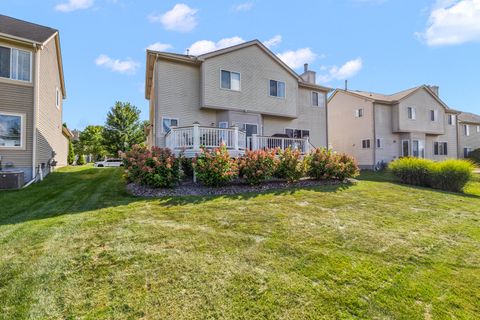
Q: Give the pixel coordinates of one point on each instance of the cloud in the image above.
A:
(181, 18)
(157, 46)
(72, 5)
(246, 6)
(347, 70)
(296, 59)
(275, 41)
(204, 46)
(452, 22)
(127, 66)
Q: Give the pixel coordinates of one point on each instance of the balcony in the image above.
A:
(190, 139)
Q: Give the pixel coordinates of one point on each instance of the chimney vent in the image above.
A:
(346, 85)
(188, 52)
(435, 89)
(305, 67)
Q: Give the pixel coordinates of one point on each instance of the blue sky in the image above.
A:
(378, 45)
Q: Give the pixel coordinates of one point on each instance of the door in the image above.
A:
(405, 148)
(418, 148)
(250, 129)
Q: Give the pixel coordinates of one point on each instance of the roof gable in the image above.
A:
(23, 30)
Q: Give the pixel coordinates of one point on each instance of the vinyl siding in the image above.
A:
(471, 141)
(450, 137)
(391, 149)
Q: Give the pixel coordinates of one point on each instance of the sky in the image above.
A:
(381, 46)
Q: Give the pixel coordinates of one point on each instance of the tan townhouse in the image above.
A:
(468, 133)
(32, 89)
(377, 128)
(243, 96)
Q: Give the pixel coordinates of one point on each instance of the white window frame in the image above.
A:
(467, 148)
(379, 145)
(442, 143)
(409, 148)
(23, 131)
(277, 96)
(413, 113)
(168, 118)
(239, 84)
(451, 117)
(478, 129)
(11, 61)
(369, 144)
(224, 123)
(466, 130)
(359, 113)
(289, 128)
(57, 98)
(435, 115)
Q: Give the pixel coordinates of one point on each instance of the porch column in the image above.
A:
(254, 142)
(235, 137)
(307, 144)
(196, 136)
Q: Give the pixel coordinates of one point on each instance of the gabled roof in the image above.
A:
(23, 30)
(469, 117)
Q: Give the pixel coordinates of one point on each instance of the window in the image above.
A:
(230, 80)
(366, 144)
(57, 98)
(11, 130)
(15, 64)
(318, 99)
(405, 148)
(250, 129)
(478, 129)
(168, 123)
(379, 143)
(277, 89)
(466, 152)
(359, 113)
(451, 119)
(418, 148)
(315, 99)
(466, 130)
(411, 113)
(440, 148)
(434, 115)
(297, 133)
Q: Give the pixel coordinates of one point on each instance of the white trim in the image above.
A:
(381, 143)
(359, 114)
(23, 131)
(451, 116)
(252, 124)
(414, 113)
(466, 130)
(409, 148)
(57, 98)
(230, 89)
(285, 88)
(169, 118)
(290, 128)
(440, 142)
(11, 60)
(369, 143)
(222, 122)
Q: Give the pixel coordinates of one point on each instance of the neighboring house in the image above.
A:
(468, 133)
(32, 90)
(377, 128)
(245, 86)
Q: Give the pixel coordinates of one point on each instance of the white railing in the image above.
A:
(262, 142)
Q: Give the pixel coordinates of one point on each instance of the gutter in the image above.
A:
(374, 137)
(36, 103)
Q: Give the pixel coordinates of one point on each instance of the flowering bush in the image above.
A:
(257, 166)
(291, 165)
(215, 168)
(157, 167)
(325, 164)
(187, 166)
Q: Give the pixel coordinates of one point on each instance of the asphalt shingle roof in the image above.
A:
(26, 30)
(469, 117)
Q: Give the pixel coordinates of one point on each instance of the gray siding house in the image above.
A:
(243, 96)
(32, 90)
(468, 133)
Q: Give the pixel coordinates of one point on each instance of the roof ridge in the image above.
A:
(31, 23)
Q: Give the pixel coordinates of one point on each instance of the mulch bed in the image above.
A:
(189, 188)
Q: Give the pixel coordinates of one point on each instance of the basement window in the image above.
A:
(12, 130)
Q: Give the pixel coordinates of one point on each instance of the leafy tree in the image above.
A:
(123, 128)
(81, 160)
(91, 142)
(71, 153)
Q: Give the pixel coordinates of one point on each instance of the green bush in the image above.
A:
(475, 156)
(215, 168)
(81, 160)
(325, 164)
(414, 171)
(291, 165)
(187, 166)
(71, 153)
(451, 175)
(257, 166)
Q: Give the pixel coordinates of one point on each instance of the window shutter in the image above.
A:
(445, 150)
(435, 148)
(357, 113)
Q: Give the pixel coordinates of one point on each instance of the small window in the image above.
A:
(297, 133)
(318, 99)
(466, 130)
(440, 148)
(168, 123)
(366, 144)
(434, 115)
(277, 89)
(57, 98)
(230, 80)
(411, 113)
(451, 119)
(466, 152)
(379, 143)
(315, 99)
(359, 113)
(478, 129)
(11, 130)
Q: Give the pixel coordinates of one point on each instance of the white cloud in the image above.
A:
(275, 41)
(157, 46)
(181, 18)
(204, 46)
(121, 66)
(452, 22)
(246, 6)
(72, 5)
(347, 70)
(296, 59)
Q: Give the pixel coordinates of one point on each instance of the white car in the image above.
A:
(109, 163)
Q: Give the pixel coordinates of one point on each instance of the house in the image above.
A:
(377, 128)
(468, 133)
(243, 96)
(32, 89)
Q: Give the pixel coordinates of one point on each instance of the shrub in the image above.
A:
(71, 153)
(325, 164)
(81, 160)
(215, 168)
(451, 175)
(411, 170)
(157, 167)
(290, 166)
(187, 166)
(257, 166)
(475, 156)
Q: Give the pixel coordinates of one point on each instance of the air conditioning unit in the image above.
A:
(11, 179)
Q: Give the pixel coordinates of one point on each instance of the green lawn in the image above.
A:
(77, 246)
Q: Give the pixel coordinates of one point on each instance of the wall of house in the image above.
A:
(391, 143)
(450, 137)
(471, 141)
(256, 69)
(346, 131)
(17, 97)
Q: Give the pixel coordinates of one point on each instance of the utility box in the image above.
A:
(11, 179)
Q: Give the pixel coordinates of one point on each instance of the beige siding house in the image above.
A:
(468, 133)
(377, 128)
(243, 96)
(32, 90)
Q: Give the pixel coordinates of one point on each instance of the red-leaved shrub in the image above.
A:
(257, 166)
(215, 168)
(325, 164)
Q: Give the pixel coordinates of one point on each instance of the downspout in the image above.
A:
(36, 102)
(155, 102)
(374, 137)
(326, 122)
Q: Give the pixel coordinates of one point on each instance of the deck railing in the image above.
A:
(263, 142)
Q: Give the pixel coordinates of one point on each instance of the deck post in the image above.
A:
(254, 141)
(196, 136)
(235, 138)
(307, 145)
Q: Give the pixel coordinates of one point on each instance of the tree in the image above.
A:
(123, 128)
(91, 142)
(71, 153)
(81, 160)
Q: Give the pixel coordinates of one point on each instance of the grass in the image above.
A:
(77, 246)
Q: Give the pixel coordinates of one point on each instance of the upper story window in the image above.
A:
(466, 130)
(434, 115)
(411, 112)
(11, 130)
(366, 144)
(318, 99)
(359, 113)
(230, 80)
(57, 98)
(379, 143)
(478, 129)
(277, 89)
(15, 64)
(451, 119)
